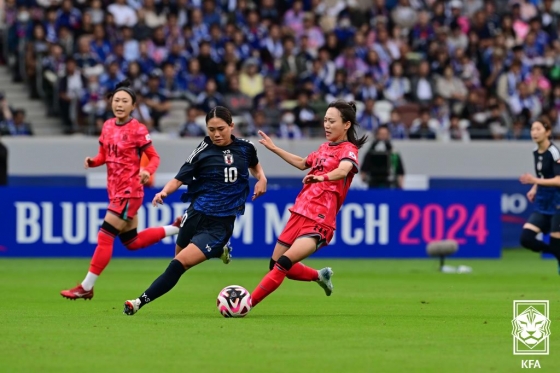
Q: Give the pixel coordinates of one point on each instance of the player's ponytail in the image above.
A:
(123, 86)
(348, 114)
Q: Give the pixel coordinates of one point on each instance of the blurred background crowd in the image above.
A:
(427, 69)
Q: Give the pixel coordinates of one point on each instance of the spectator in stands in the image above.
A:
(156, 100)
(191, 128)
(288, 129)
(210, 98)
(299, 45)
(14, 124)
(238, 102)
(71, 91)
(424, 127)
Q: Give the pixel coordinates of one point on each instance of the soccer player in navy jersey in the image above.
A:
(217, 175)
(545, 193)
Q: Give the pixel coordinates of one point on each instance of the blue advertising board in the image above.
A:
(515, 207)
(63, 222)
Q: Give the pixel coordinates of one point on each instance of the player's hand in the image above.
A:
(527, 179)
(266, 141)
(310, 179)
(260, 189)
(144, 176)
(158, 198)
(531, 195)
(87, 162)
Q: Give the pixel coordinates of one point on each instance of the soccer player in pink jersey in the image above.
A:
(123, 140)
(313, 216)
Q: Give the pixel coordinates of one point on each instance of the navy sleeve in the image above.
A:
(556, 168)
(187, 172)
(253, 159)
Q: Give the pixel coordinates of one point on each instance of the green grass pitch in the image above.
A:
(384, 316)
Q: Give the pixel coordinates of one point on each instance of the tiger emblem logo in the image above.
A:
(531, 327)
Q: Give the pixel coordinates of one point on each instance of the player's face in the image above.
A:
(538, 132)
(219, 131)
(122, 105)
(335, 129)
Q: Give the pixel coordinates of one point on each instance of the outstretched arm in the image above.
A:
(294, 160)
(169, 188)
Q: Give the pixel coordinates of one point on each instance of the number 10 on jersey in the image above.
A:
(230, 174)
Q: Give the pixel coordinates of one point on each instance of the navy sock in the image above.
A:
(529, 241)
(165, 282)
(554, 247)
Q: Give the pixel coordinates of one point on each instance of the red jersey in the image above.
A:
(122, 145)
(322, 201)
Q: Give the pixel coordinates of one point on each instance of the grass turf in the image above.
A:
(384, 316)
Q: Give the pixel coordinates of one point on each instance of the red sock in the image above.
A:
(268, 284)
(103, 252)
(146, 238)
(301, 272)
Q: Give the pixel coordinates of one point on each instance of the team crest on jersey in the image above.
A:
(125, 137)
(228, 158)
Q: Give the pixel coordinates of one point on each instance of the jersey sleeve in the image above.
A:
(349, 154)
(143, 139)
(253, 159)
(187, 172)
(310, 159)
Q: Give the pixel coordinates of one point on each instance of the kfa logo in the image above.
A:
(228, 157)
(531, 327)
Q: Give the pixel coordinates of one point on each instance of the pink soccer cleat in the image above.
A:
(177, 222)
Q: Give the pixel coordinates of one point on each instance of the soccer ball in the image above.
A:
(234, 301)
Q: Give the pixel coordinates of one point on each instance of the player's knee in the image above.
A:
(528, 238)
(107, 230)
(129, 239)
(271, 264)
(285, 262)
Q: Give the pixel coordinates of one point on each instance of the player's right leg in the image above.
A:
(554, 246)
(110, 228)
(134, 240)
(300, 226)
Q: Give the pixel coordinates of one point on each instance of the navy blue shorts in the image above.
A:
(546, 223)
(209, 233)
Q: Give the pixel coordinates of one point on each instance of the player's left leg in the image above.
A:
(300, 249)
(133, 240)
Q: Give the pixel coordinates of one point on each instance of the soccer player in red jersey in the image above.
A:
(313, 219)
(123, 140)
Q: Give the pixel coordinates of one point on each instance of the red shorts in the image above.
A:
(300, 226)
(125, 208)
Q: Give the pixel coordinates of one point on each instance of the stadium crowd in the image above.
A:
(428, 69)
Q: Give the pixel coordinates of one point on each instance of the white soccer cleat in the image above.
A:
(324, 280)
(131, 307)
(226, 255)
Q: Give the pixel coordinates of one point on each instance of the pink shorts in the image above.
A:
(125, 208)
(300, 226)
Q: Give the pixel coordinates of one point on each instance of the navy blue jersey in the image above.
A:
(547, 166)
(218, 177)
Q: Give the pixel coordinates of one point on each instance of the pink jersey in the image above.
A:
(322, 201)
(123, 145)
